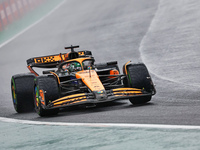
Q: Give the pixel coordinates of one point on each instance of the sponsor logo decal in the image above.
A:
(44, 59)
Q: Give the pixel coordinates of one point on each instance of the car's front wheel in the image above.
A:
(137, 76)
(45, 90)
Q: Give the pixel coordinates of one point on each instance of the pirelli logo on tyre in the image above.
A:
(44, 60)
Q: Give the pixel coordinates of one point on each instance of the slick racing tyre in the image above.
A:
(22, 87)
(45, 90)
(138, 77)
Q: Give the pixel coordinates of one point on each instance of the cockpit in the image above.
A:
(77, 65)
(72, 66)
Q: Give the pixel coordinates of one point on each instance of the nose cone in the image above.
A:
(90, 79)
(100, 95)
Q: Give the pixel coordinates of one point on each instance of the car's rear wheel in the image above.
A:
(48, 87)
(22, 87)
(137, 76)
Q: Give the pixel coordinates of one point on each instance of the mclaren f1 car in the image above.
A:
(74, 79)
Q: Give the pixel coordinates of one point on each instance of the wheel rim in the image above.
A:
(37, 100)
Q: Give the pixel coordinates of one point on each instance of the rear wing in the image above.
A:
(51, 61)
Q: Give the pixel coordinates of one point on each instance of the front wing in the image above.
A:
(88, 98)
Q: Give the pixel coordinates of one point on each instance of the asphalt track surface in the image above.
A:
(154, 32)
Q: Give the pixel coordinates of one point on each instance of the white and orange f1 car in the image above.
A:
(77, 80)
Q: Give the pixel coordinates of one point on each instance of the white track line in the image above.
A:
(28, 122)
(20, 33)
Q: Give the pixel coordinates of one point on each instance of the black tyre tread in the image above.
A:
(139, 77)
(24, 87)
(50, 86)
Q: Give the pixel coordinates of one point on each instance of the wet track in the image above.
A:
(154, 32)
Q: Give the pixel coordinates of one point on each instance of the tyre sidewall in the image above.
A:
(138, 77)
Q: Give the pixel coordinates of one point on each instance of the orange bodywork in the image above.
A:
(80, 60)
(91, 80)
(126, 67)
(72, 99)
(32, 71)
(113, 72)
(58, 79)
(126, 91)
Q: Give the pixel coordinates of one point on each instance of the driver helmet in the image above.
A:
(75, 66)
